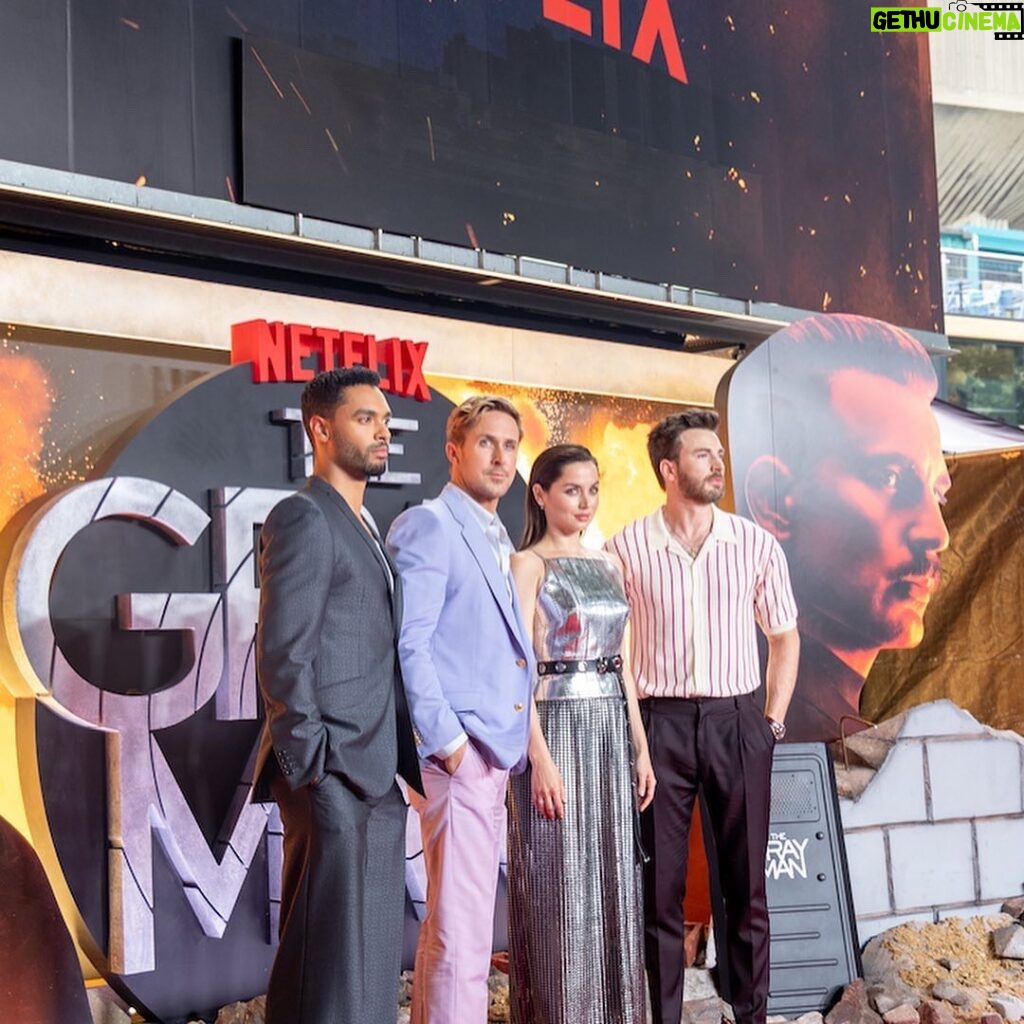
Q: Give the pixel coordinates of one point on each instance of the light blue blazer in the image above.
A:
(466, 660)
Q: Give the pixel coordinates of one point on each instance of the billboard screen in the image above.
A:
(777, 151)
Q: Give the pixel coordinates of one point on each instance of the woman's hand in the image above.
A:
(645, 780)
(547, 789)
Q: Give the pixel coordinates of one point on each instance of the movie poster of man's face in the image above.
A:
(835, 450)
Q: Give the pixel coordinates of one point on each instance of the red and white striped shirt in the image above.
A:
(692, 629)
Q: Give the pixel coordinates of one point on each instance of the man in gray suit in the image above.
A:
(336, 720)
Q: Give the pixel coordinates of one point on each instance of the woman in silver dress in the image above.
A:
(575, 899)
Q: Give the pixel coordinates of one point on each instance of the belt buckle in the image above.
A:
(560, 667)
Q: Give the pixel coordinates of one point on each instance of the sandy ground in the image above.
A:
(966, 946)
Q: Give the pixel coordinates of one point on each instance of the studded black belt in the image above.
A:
(561, 668)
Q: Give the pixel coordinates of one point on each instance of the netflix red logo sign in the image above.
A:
(293, 353)
(656, 28)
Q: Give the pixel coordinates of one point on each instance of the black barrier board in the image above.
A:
(814, 948)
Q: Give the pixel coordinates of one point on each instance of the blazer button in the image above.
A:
(518, 706)
(520, 663)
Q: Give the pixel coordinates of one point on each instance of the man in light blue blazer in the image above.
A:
(468, 667)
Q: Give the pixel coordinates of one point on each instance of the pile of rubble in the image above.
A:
(498, 1012)
(960, 971)
(254, 1011)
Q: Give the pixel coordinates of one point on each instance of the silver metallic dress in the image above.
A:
(575, 901)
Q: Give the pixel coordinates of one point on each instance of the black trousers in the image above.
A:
(722, 746)
(342, 906)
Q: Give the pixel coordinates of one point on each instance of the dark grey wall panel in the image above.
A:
(34, 82)
(132, 88)
(366, 32)
(217, 77)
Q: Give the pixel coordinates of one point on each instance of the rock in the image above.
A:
(811, 1017)
(885, 988)
(252, 1012)
(853, 1007)
(704, 1011)
(405, 988)
(851, 782)
(1008, 942)
(932, 1011)
(404, 1015)
(902, 1014)
(990, 1018)
(497, 985)
(878, 961)
(1007, 1006)
(950, 965)
(886, 1000)
(1014, 907)
(697, 984)
(1000, 920)
(710, 950)
(776, 1018)
(976, 1000)
(950, 992)
(881, 1000)
(869, 748)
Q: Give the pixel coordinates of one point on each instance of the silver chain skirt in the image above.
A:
(575, 898)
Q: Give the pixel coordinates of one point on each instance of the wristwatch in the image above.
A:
(778, 728)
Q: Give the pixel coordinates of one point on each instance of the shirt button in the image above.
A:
(520, 663)
(518, 706)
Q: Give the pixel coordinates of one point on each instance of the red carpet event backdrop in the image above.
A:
(129, 599)
(129, 699)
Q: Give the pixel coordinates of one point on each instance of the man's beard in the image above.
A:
(703, 491)
(358, 463)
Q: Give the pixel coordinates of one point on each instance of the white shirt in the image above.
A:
(494, 530)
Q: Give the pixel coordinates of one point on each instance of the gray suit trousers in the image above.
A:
(342, 906)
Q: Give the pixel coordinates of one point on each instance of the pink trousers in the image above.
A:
(463, 822)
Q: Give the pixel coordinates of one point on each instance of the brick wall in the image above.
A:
(938, 830)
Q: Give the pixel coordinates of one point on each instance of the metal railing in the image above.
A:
(977, 283)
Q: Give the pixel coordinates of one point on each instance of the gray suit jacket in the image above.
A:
(326, 658)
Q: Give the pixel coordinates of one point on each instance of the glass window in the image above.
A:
(987, 377)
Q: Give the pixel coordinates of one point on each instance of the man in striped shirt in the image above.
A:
(699, 582)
